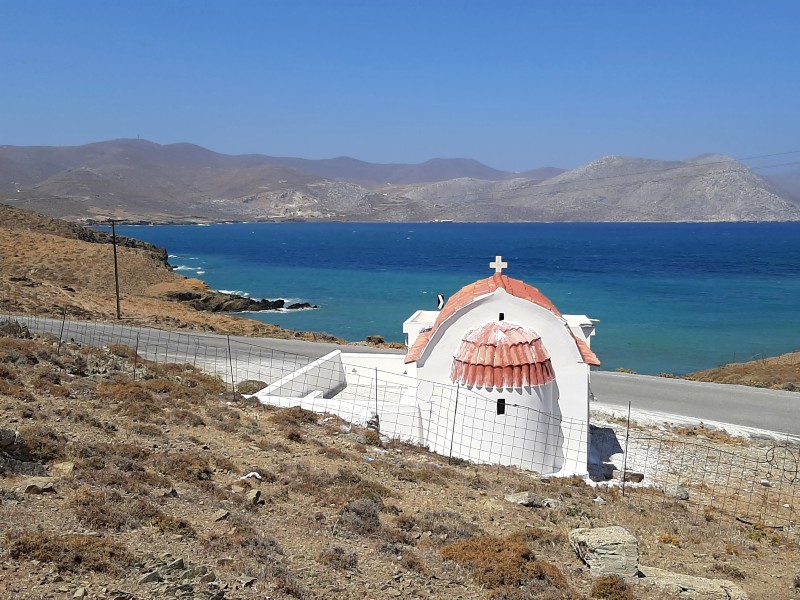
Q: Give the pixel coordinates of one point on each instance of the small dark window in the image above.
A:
(502, 317)
(501, 406)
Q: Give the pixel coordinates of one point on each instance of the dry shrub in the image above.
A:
(190, 376)
(717, 435)
(18, 352)
(15, 389)
(338, 558)
(333, 453)
(732, 550)
(729, 570)
(42, 443)
(548, 573)
(250, 386)
(186, 417)
(413, 562)
(373, 437)
(433, 474)
(101, 509)
(449, 524)
(360, 516)
(493, 562)
(186, 466)
(406, 522)
(80, 415)
(272, 446)
(163, 386)
(611, 587)
(123, 351)
(243, 536)
(110, 510)
(147, 430)
(292, 418)
(336, 489)
(130, 482)
(71, 552)
(7, 374)
(540, 536)
(670, 538)
(294, 435)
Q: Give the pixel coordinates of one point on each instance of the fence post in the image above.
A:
(230, 364)
(625, 459)
(61, 334)
(135, 357)
(453, 431)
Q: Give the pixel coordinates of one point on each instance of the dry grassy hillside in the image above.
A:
(144, 499)
(47, 265)
(778, 373)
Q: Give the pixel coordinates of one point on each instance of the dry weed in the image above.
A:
(493, 562)
(70, 552)
(611, 587)
(338, 558)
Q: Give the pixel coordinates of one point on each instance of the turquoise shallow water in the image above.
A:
(670, 297)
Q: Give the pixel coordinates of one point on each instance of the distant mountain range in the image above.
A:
(137, 180)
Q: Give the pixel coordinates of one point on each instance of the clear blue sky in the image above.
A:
(513, 84)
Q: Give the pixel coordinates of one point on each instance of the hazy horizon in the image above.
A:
(514, 86)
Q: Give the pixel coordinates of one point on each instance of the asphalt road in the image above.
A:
(736, 404)
(267, 359)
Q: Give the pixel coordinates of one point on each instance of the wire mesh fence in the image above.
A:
(759, 486)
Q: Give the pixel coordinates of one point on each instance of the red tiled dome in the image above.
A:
(501, 355)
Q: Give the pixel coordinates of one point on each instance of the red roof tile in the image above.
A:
(501, 355)
(589, 357)
(473, 291)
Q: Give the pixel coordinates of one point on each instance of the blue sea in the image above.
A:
(670, 297)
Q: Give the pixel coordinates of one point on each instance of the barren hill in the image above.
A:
(137, 180)
(49, 266)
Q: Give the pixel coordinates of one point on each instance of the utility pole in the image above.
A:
(116, 268)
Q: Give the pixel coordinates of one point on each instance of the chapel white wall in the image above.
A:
(570, 387)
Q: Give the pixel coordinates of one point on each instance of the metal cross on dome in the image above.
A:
(498, 265)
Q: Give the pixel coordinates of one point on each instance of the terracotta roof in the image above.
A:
(472, 292)
(501, 355)
(589, 357)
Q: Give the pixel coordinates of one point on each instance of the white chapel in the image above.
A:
(497, 375)
(506, 342)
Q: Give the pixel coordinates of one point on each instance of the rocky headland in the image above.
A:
(216, 302)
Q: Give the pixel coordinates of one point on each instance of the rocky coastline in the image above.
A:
(220, 302)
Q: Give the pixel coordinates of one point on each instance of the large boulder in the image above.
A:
(687, 586)
(607, 550)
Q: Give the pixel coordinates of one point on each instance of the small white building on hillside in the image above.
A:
(498, 375)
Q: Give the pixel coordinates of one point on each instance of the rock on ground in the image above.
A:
(607, 550)
(687, 586)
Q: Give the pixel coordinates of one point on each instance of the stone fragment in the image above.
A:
(247, 581)
(237, 489)
(698, 588)
(221, 515)
(529, 499)
(607, 550)
(631, 476)
(253, 496)
(38, 485)
(8, 438)
(63, 469)
(80, 593)
(677, 492)
(151, 577)
(176, 565)
(208, 577)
